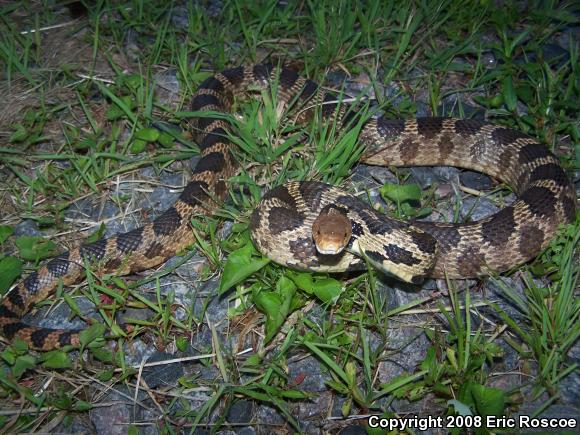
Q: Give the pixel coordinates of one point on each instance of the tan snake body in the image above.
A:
(500, 242)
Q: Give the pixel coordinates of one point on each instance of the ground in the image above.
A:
(94, 140)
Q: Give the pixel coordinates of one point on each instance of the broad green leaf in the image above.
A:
(23, 363)
(102, 354)
(20, 346)
(488, 401)
(85, 144)
(106, 375)
(5, 232)
(166, 140)
(239, 265)
(400, 193)
(181, 343)
(81, 405)
(121, 108)
(8, 355)
(19, 135)
(56, 359)
(276, 305)
(429, 361)
(35, 248)
(92, 333)
(328, 290)
(138, 146)
(147, 134)
(460, 408)
(10, 269)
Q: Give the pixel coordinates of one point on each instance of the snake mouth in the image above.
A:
(329, 248)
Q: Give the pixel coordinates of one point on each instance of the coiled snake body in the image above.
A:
(281, 224)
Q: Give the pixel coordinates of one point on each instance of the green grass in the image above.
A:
(113, 123)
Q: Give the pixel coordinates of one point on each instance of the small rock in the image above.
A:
(115, 418)
(423, 110)
(76, 424)
(162, 375)
(427, 176)
(268, 416)
(488, 60)
(167, 88)
(87, 210)
(134, 313)
(59, 317)
(179, 17)
(354, 429)
(309, 369)
(27, 227)
(136, 351)
(570, 386)
(162, 197)
(369, 177)
(241, 412)
(474, 209)
(475, 180)
(443, 190)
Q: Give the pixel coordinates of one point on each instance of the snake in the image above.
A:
(313, 226)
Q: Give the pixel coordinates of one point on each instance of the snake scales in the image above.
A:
(495, 244)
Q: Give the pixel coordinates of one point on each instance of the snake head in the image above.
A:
(331, 230)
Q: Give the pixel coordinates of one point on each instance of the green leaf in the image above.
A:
(182, 343)
(56, 359)
(85, 144)
(401, 193)
(91, 334)
(239, 265)
(35, 248)
(294, 394)
(10, 269)
(102, 354)
(460, 408)
(19, 135)
(509, 93)
(5, 232)
(166, 140)
(133, 81)
(113, 113)
(488, 401)
(339, 387)
(106, 375)
(81, 405)
(275, 305)
(138, 146)
(121, 107)
(328, 290)
(147, 134)
(400, 381)
(23, 363)
(8, 355)
(20, 346)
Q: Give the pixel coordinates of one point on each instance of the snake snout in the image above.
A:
(331, 231)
